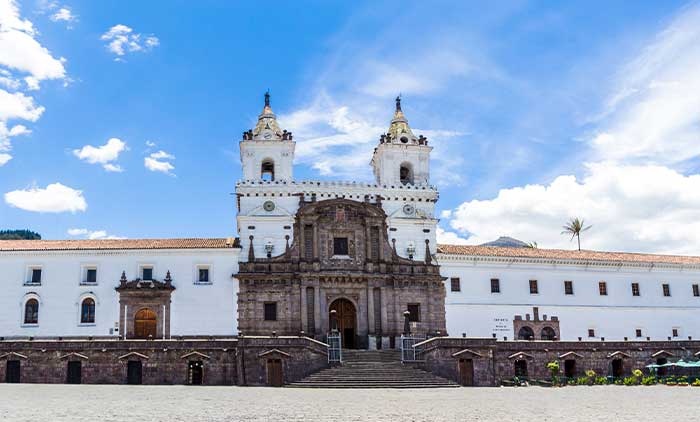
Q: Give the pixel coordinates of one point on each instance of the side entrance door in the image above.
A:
(13, 371)
(134, 372)
(466, 372)
(74, 375)
(275, 376)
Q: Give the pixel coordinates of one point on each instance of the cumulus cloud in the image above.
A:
(5, 135)
(18, 106)
(54, 198)
(63, 14)
(450, 238)
(105, 154)
(122, 39)
(156, 162)
(636, 208)
(4, 158)
(91, 234)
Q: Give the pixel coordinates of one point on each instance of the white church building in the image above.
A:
(83, 288)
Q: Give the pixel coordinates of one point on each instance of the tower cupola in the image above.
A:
(267, 152)
(401, 158)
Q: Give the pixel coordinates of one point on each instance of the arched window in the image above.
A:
(406, 174)
(87, 311)
(526, 333)
(31, 311)
(267, 170)
(548, 333)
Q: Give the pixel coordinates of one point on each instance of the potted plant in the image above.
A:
(554, 371)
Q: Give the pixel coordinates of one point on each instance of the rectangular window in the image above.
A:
(603, 288)
(495, 285)
(674, 332)
(591, 332)
(696, 290)
(374, 243)
(568, 287)
(455, 284)
(635, 289)
(309, 242)
(638, 332)
(340, 246)
(667, 289)
(36, 276)
(533, 287)
(203, 276)
(91, 275)
(271, 311)
(413, 312)
(147, 273)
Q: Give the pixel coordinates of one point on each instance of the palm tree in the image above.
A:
(532, 245)
(575, 227)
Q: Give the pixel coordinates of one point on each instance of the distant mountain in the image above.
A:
(506, 242)
(19, 235)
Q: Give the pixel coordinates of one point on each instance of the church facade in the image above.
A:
(312, 257)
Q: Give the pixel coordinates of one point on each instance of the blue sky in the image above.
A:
(537, 111)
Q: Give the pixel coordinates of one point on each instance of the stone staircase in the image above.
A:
(372, 369)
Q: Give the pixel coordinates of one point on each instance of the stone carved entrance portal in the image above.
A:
(346, 320)
(145, 324)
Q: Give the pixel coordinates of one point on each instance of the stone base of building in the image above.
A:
(488, 362)
(253, 361)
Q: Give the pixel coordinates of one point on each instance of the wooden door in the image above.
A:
(346, 317)
(13, 371)
(75, 369)
(275, 374)
(195, 374)
(145, 324)
(134, 372)
(466, 372)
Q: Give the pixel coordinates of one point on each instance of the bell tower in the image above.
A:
(401, 158)
(267, 152)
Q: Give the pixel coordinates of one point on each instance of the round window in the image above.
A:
(269, 206)
(404, 139)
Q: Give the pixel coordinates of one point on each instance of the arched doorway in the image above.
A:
(145, 323)
(526, 333)
(345, 321)
(548, 333)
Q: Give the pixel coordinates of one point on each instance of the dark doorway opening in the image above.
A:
(617, 371)
(275, 374)
(526, 333)
(134, 372)
(466, 372)
(662, 372)
(521, 368)
(195, 372)
(75, 372)
(570, 368)
(345, 321)
(13, 370)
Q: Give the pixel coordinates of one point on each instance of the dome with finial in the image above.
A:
(399, 131)
(267, 128)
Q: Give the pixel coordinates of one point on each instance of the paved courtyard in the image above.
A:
(27, 402)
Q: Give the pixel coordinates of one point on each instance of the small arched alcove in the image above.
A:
(406, 173)
(267, 169)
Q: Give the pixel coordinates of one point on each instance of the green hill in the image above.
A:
(19, 234)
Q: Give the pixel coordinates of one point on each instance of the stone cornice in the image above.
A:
(122, 252)
(272, 188)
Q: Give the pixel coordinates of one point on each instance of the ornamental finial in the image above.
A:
(267, 98)
(398, 103)
(123, 277)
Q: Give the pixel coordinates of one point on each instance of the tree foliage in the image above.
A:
(19, 235)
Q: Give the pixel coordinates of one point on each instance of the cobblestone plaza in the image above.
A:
(112, 403)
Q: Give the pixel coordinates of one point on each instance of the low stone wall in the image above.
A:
(494, 361)
(224, 361)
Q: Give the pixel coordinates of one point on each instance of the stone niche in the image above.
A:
(341, 260)
(535, 328)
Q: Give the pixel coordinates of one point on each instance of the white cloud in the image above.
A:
(155, 162)
(4, 158)
(5, 135)
(450, 238)
(634, 208)
(105, 154)
(150, 144)
(18, 106)
(54, 198)
(653, 113)
(63, 14)
(91, 234)
(122, 39)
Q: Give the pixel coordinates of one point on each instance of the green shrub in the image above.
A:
(585, 380)
(590, 373)
(696, 383)
(601, 381)
(637, 373)
(554, 371)
(630, 381)
(648, 381)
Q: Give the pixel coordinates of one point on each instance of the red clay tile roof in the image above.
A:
(102, 244)
(566, 254)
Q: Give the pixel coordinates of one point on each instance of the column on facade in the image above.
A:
(385, 305)
(304, 310)
(370, 308)
(317, 308)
